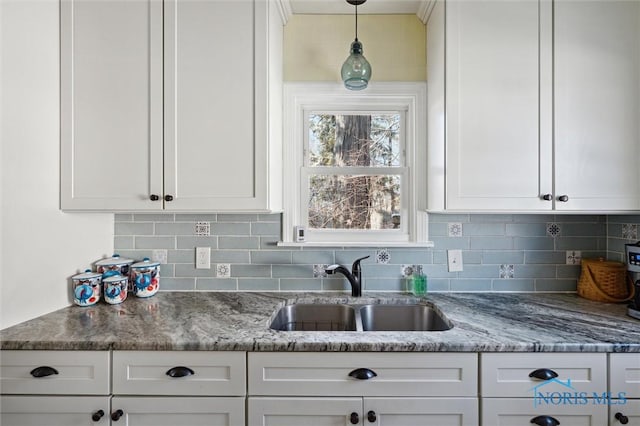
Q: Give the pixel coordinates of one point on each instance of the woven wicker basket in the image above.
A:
(604, 281)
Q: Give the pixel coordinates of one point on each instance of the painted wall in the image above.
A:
(41, 247)
(315, 46)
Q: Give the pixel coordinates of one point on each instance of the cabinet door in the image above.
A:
(421, 411)
(624, 374)
(521, 412)
(215, 103)
(621, 410)
(174, 411)
(111, 104)
(54, 410)
(597, 104)
(498, 108)
(304, 411)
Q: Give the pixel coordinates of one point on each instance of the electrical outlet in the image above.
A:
(159, 256)
(454, 258)
(203, 257)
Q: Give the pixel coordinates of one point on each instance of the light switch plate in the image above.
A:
(454, 258)
(203, 257)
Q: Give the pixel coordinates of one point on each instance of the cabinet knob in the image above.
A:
(43, 371)
(371, 416)
(97, 415)
(545, 421)
(168, 197)
(115, 416)
(363, 374)
(354, 418)
(180, 372)
(154, 197)
(543, 374)
(621, 418)
(563, 198)
(547, 197)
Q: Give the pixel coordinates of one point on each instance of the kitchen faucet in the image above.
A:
(354, 277)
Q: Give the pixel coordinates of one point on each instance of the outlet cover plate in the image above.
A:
(203, 257)
(454, 258)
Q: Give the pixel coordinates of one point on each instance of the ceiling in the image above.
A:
(370, 7)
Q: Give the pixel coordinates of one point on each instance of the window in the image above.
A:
(354, 172)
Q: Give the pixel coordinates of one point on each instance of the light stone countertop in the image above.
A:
(483, 322)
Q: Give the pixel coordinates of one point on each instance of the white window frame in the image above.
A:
(409, 98)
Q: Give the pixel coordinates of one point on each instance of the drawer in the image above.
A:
(507, 374)
(521, 412)
(62, 372)
(624, 374)
(179, 373)
(396, 374)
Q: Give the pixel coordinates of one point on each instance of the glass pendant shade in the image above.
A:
(356, 70)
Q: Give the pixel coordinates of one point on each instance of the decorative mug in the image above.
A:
(115, 289)
(145, 278)
(86, 288)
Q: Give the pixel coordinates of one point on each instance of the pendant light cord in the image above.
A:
(356, 22)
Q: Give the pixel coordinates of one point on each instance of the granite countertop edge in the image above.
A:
(238, 321)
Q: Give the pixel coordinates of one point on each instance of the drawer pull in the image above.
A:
(545, 421)
(371, 416)
(543, 374)
(354, 418)
(180, 372)
(115, 416)
(97, 415)
(363, 374)
(43, 371)
(621, 418)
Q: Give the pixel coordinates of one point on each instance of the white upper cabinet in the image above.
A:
(171, 105)
(111, 104)
(494, 157)
(537, 107)
(597, 104)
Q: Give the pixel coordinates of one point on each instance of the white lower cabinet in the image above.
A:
(624, 386)
(177, 411)
(314, 411)
(54, 410)
(54, 388)
(178, 388)
(545, 389)
(295, 411)
(625, 412)
(524, 412)
(430, 389)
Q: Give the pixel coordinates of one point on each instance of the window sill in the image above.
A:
(425, 244)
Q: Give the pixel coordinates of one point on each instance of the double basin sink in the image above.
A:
(354, 317)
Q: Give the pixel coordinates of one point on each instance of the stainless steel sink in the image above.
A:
(402, 318)
(315, 317)
(359, 317)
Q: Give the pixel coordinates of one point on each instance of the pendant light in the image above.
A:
(356, 70)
